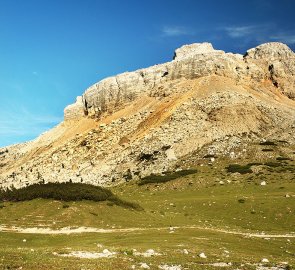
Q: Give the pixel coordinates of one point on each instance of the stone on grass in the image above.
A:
(202, 255)
(264, 260)
(144, 266)
(170, 267)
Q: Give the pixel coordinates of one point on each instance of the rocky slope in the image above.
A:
(165, 117)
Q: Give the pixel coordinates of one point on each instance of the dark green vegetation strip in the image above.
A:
(268, 143)
(283, 158)
(64, 192)
(280, 164)
(267, 150)
(242, 169)
(273, 164)
(168, 176)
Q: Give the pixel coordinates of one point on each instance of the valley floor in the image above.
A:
(211, 219)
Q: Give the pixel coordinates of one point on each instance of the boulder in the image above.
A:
(76, 110)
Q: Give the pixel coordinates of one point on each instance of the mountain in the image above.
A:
(204, 105)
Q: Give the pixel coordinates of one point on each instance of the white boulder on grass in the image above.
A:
(144, 266)
(203, 255)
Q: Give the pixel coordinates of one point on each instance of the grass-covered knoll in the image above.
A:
(168, 176)
(63, 192)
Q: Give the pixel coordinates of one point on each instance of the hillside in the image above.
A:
(204, 103)
(199, 158)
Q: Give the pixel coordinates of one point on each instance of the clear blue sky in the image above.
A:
(52, 50)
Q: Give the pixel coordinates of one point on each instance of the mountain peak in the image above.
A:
(193, 49)
(165, 117)
(190, 62)
(270, 51)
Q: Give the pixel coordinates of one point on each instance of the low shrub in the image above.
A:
(168, 176)
(57, 191)
(64, 192)
(273, 164)
(236, 168)
(146, 157)
(268, 143)
(210, 156)
(283, 141)
(282, 158)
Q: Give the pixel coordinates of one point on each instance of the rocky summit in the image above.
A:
(202, 105)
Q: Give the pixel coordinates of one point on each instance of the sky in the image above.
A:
(52, 50)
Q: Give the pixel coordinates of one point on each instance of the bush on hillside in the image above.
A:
(236, 168)
(283, 158)
(268, 143)
(267, 150)
(167, 176)
(64, 192)
(273, 164)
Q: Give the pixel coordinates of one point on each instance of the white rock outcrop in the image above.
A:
(76, 110)
(271, 61)
(157, 120)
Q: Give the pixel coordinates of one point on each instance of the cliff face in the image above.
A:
(165, 117)
(273, 62)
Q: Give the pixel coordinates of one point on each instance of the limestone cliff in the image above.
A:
(273, 62)
(165, 117)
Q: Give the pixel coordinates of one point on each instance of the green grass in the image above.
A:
(241, 249)
(195, 203)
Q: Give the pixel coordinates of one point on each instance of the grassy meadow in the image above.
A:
(232, 217)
